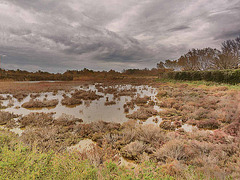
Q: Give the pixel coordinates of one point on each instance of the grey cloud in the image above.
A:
(108, 34)
(20, 32)
(228, 35)
(179, 28)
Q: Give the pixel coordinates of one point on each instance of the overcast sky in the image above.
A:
(56, 35)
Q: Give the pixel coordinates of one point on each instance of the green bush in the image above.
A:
(220, 76)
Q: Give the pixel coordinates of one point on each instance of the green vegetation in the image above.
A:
(199, 83)
(219, 76)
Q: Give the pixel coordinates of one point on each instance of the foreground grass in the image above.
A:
(19, 162)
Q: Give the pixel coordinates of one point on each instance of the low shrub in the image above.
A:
(208, 124)
(133, 150)
(172, 150)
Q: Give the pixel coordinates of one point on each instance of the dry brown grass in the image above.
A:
(6, 117)
(67, 120)
(172, 150)
(48, 138)
(133, 150)
(36, 120)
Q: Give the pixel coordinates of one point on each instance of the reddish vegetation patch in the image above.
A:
(68, 101)
(20, 95)
(167, 125)
(133, 149)
(85, 95)
(36, 120)
(6, 117)
(40, 104)
(143, 113)
(67, 120)
(208, 108)
(34, 96)
(208, 124)
(233, 129)
(141, 101)
(109, 103)
(130, 105)
(48, 138)
(2, 98)
(126, 92)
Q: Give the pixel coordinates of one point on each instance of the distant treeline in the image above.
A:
(231, 76)
(69, 75)
(207, 58)
(19, 75)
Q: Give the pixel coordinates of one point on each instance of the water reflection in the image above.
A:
(89, 111)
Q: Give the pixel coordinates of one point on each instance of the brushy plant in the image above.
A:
(20, 162)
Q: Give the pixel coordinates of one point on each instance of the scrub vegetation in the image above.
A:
(133, 149)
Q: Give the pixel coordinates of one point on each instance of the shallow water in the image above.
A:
(89, 111)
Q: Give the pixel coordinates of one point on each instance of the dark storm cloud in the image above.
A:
(228, 35)
(179, 28)
(110, 34)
